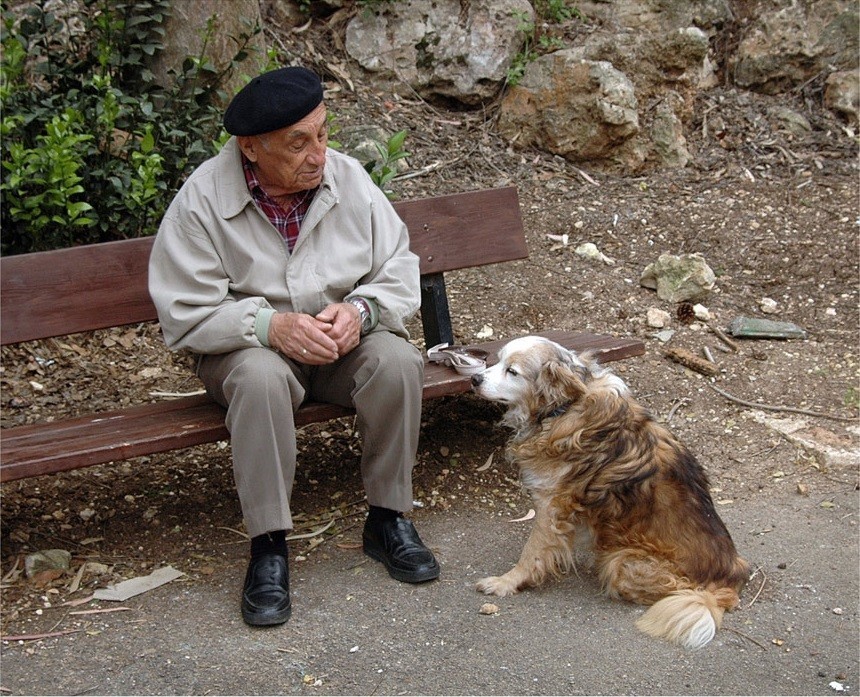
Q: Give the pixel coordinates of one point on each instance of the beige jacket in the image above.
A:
(219, 269)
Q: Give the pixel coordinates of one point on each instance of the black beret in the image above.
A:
(273, 100)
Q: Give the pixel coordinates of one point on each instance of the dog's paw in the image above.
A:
(495, 585)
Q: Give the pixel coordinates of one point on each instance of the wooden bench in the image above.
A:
(55, 293)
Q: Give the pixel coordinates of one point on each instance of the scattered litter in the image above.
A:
(837, 686)
(489, 609)
(485, 333)
(528, 516)
(135, 586)
(665, 336)
(752, 328)
(837, 611)
(466, 361)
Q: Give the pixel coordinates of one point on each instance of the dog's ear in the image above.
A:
(560, 382)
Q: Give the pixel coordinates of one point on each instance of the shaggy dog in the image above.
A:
(600, 468)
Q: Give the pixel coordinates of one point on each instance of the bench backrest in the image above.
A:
(65, 291)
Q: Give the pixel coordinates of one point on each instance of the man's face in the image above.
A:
(290, 159)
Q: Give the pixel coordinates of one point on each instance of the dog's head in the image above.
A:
(536, 377)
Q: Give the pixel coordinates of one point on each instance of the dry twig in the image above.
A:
(721, 335)
(770, 407)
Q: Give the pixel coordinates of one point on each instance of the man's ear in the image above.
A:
(248, 145)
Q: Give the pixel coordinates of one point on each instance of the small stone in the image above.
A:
(837, 611)
(702, 312)
(489, 609)
(47, 559)
(657, 318)
(768, 306)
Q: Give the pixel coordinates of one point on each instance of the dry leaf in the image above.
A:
(489, 609)
(528, 516)
(136, 586)
(487, 464)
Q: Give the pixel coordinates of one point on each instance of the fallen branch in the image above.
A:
(690, 360)
(771, 407)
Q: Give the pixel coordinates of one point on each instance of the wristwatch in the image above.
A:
(364, 312)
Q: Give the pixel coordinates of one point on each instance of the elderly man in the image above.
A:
(285, 268)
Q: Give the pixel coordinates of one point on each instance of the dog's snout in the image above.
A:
(477, 379)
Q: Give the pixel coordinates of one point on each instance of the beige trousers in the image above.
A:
(382, 378)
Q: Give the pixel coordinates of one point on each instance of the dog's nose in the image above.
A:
(477, 379)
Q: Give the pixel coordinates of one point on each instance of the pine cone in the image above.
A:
(686, 314)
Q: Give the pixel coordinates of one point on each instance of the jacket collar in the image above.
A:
(232, 189)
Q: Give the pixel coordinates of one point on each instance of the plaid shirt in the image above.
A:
(286, 221)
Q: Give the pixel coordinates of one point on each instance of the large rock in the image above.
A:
(842, 94)
(677, 278)
(440, 48)
(658, 16)
(785, 48)
(582, 110)
(185, 31)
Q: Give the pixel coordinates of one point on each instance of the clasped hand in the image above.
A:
(316, 340)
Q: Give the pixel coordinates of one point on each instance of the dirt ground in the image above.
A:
(775, 215)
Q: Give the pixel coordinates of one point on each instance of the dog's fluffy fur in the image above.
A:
(596, 462)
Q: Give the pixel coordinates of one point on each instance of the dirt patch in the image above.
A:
(773, 213)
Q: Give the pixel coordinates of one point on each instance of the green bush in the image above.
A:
(92, 148)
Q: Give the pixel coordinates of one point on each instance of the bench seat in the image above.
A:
(61, 292)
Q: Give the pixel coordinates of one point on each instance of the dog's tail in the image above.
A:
(689, 618)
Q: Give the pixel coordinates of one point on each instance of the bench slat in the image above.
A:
(65, 291)
(48, 447)
(460, 231)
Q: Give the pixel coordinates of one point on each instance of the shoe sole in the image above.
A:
(268, 619)
(399, 575)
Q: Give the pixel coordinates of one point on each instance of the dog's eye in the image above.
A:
(512, 371)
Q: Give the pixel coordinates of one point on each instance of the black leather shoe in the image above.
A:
(266, 595)
(396, 544)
